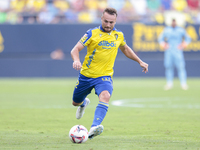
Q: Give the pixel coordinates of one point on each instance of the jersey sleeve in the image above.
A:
(162, 36)
(187, 39)
(123, 41)
(86, 39)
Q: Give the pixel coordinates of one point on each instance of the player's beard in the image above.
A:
(108, 29)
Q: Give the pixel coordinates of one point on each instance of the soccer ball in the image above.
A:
(78, 134)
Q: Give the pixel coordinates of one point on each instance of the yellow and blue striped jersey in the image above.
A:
(102, 48)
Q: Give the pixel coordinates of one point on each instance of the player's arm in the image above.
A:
(128, 52)
(164, 45)
(186, 40)
(75, 55)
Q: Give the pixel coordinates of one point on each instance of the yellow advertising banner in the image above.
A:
(145, 37)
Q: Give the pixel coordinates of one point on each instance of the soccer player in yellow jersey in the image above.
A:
(97, 69)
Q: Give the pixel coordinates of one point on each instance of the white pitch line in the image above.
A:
(157, 102)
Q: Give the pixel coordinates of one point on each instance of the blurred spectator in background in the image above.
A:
(194, 10)
(77, 5)
(153, 5)
(18, 5)
(3, 16)
(71, 16)
(92, 7)
(142, 10)
(12, 17)
(127, 9)
(89, 11)
(4, 5)
(117, 4)
(193, 4)
(60, 7)
(166, 4)
(61, 4)
(174, 39)
(85, 17)
(45, 16)
(153, 8)
(37, 5)
(102, 4)
(179, 5)
(197, 19)
(32, 10)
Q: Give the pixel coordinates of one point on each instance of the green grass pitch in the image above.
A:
(37, 113)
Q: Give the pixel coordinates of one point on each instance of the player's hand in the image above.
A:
(182, 45)
(144, 66)
(164, 45)
(77, 65)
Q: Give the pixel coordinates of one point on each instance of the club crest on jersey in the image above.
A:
(100, 35)
(116, 36)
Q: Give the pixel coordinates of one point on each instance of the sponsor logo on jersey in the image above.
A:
(107, 45)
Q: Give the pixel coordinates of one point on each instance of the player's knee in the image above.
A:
(104, 96)
(75, 104)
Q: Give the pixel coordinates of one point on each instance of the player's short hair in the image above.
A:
(111, 11)
(173, 19)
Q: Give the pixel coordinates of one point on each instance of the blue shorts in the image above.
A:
(85, 85)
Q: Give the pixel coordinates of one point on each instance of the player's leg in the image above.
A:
(81, 109)
(180, 65)
(104, 90)
(169, 70)
(81, 91)
(76, 104)
(82, 104)
(101, 108)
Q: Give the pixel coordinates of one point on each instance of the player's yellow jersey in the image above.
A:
(102, 48)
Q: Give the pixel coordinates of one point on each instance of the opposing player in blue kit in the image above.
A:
(174, 39)
(97, 69)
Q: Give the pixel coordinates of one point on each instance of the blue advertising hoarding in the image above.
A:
(25, 50)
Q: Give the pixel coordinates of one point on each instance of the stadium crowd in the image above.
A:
(89, 11)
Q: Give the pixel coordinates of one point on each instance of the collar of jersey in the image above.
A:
(101, 28)
(176, 27)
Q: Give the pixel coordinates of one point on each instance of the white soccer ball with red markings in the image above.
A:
(78, 134)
